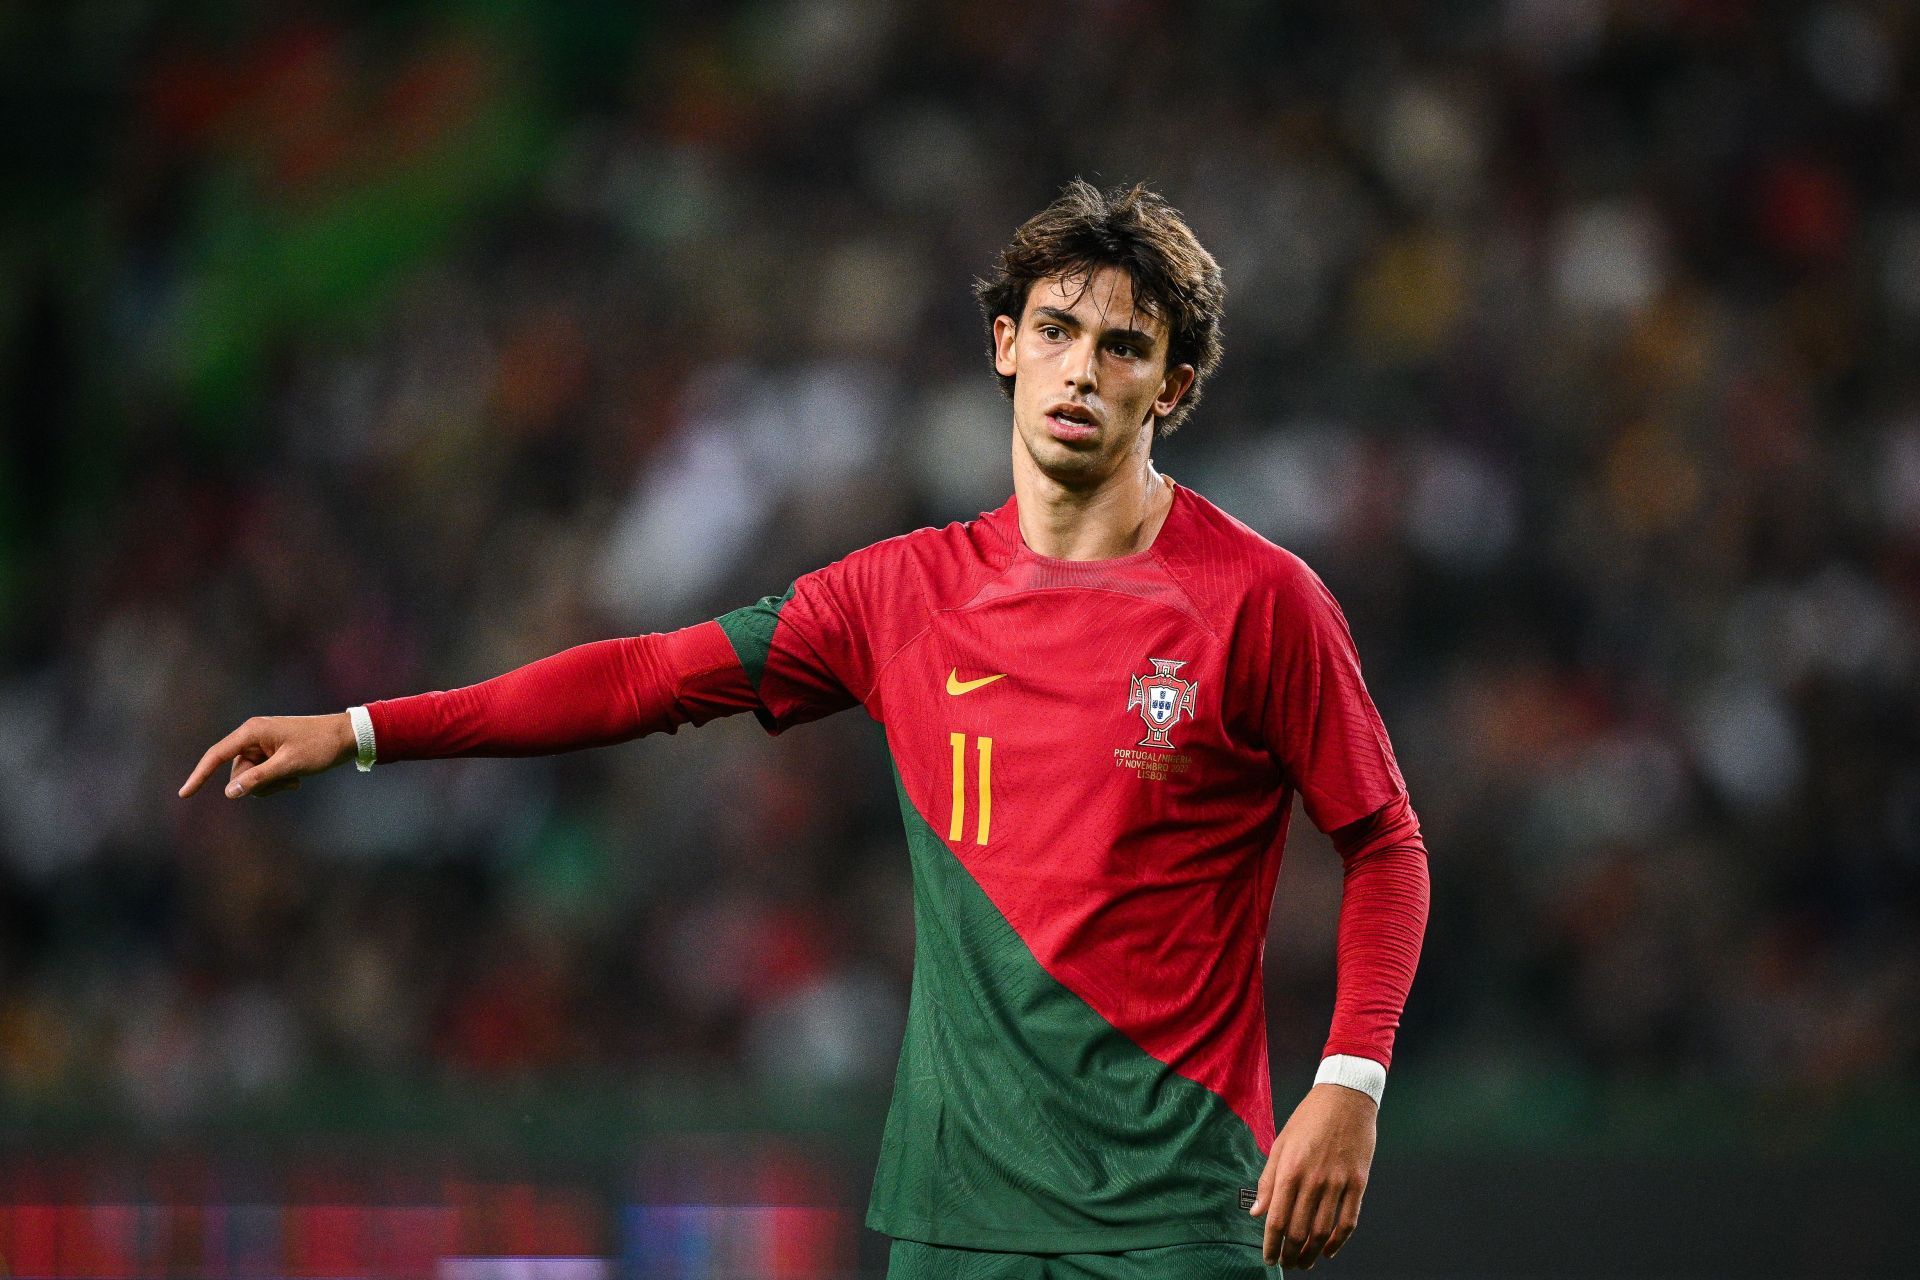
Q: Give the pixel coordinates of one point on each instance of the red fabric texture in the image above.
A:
(1140, 876)
(1319, 718)
(591, 695)
(1383, 915)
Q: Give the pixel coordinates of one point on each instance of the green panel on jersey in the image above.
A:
(1022, 1119)
(751, 631)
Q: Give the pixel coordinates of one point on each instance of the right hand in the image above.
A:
(1315, 1175)
(272, 753)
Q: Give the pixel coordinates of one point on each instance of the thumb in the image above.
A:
(1264, 1190)
(247, 781)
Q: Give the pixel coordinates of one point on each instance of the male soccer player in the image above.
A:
(1100, 700)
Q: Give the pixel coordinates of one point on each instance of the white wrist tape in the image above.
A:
(362, 736)
(1364, 1074)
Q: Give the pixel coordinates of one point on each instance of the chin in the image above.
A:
(1068, 466)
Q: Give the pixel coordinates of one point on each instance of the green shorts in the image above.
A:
(912, 1260)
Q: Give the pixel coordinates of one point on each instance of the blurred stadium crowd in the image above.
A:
(353, 351)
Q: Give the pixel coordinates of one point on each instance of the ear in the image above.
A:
(1175, 385)
(1004, 332)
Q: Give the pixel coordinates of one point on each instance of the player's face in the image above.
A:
(1090, 375)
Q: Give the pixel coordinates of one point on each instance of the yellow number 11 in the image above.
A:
(959, 819)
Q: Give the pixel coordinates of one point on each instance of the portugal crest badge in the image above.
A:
(1161, 698)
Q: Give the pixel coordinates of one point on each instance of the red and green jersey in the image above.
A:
(1095, 762)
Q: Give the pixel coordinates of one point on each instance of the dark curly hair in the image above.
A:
(1135, 229)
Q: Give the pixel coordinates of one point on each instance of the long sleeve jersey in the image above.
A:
(1095, 763)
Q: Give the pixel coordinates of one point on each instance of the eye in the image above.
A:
(1052, 332)
(1124, 350)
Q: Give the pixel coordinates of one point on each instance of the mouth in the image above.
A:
(1072, 422)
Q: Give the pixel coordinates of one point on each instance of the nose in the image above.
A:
(1081, 362)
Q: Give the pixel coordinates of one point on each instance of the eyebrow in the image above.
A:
(1067, 320)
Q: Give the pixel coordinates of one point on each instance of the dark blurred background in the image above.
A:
(352, 350)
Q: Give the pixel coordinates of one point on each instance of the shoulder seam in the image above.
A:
(881, 666)
(1193, 606)
(800, 637)
(905, 645)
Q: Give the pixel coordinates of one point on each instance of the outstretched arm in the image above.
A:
(590, 695)
(1317, 1171)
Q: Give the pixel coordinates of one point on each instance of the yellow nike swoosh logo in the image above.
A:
(956, 686)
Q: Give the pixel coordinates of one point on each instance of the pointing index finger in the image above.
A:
(216, 755)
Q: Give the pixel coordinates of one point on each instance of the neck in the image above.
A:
(1119, 516)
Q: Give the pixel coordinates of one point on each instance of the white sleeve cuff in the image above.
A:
(362, 736)
(1364, 1074)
